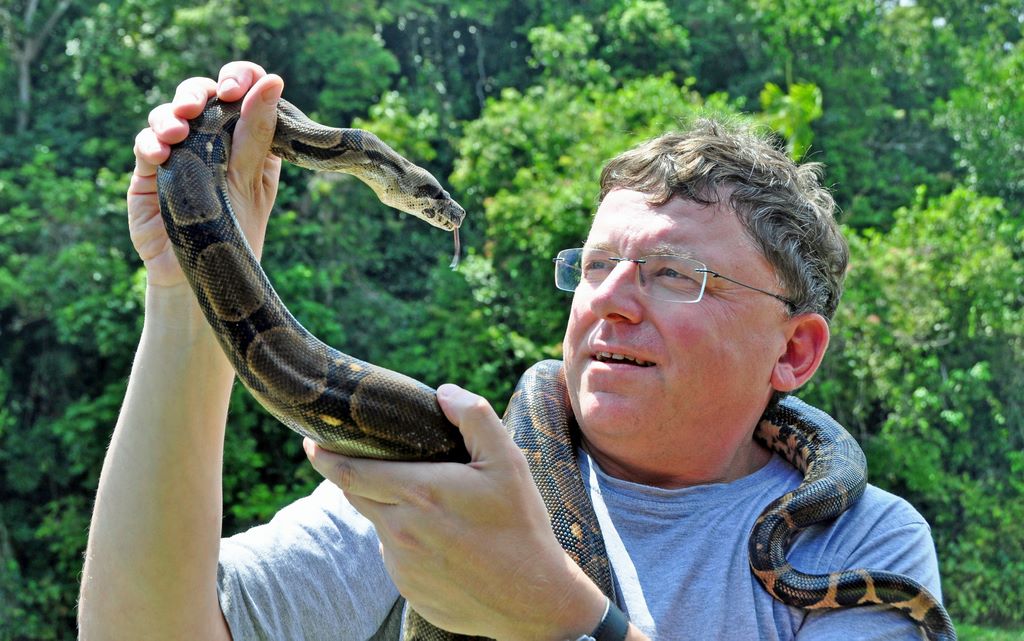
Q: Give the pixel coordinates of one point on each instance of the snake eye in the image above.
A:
(433, 192)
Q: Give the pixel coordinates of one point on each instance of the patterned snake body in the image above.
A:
(356, 408)
(834, 470)
(351, 406)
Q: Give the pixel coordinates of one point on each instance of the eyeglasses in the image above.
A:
(663, 277)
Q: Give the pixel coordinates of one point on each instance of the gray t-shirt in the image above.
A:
(679, 557)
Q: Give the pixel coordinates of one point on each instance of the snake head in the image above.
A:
(431, 203)
(398, 182)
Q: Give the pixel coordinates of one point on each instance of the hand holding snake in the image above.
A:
(253, 171)
(438, 522)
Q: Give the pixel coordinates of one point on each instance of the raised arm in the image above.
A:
(151, 562)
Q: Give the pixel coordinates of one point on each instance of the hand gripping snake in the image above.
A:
(358, 409)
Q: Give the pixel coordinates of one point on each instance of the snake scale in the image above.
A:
(358, 409)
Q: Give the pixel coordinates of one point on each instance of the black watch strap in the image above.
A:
(613, 625)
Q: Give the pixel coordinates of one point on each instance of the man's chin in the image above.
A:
(610, 412)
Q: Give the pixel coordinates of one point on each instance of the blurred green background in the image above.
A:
(915, 107)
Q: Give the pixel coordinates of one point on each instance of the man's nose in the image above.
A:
(618, 297)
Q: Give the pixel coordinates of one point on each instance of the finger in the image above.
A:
(236, 78)
(255, 129)
(142, 184)
(147, 228)
(191, 97)
(142, 200)
(149, 152)
(144, 223)
(480, 426)
(166, 125)
(385, 482)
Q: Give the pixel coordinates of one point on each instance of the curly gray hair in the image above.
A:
(782, 205)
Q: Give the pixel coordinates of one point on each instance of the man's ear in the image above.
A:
(808, 336)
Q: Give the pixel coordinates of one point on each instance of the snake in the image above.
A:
(359, 409)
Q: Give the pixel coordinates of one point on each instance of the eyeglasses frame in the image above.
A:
(704, 270)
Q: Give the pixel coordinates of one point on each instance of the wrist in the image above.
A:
(173, 306)
(614, 626)
(581, 610)
(173, 315)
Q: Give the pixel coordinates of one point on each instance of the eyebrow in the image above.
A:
(659, 249)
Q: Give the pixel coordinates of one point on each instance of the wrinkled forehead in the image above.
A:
(627, 222)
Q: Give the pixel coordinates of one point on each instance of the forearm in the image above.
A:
(151, 560)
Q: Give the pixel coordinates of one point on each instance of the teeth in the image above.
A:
(608, 356)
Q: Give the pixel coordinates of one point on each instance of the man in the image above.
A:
(667, 384)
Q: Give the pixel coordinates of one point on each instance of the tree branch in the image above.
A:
(51, 21)
(24, 50)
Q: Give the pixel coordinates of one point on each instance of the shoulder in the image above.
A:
(881, 531)
(880, 514)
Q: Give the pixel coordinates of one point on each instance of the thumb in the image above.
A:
(481, 429)
(255, 129)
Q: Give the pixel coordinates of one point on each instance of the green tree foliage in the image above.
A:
(986, 117)
(516, 106)
(792, 114)
(879, 65)
(927, 367)
(642, 37)
(69, 316)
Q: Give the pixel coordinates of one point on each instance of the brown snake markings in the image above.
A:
(356, 408)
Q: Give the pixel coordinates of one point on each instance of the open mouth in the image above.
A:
(608, 357)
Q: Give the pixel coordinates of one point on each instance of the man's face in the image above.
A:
(697, 375)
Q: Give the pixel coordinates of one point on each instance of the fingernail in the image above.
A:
(271, 94)
(228, 84)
